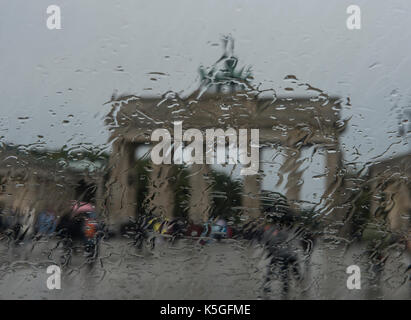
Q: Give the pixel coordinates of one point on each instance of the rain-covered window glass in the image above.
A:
(205, 150)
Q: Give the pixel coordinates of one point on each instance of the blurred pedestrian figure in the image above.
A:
(283, 259)
(46, 223)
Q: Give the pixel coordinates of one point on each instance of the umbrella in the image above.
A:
(81, 207)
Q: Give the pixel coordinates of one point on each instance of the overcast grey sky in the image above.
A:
(48, 76)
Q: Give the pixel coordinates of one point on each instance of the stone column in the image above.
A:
(336, 229)
(26, 201)
(375, 196)
(100, 203)
(160, 199)
(122, 186)
(251, 200)
(291, 166)
(333, 195)
(399, 202)
(200, 198)
(333, 166)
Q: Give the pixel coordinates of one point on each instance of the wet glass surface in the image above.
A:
(214, 150)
